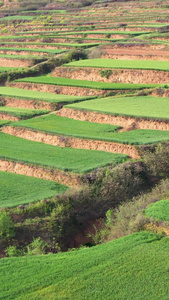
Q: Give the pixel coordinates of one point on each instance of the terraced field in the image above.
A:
(84, 106)
(20, 190)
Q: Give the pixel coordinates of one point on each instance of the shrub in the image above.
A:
(105, 73)
(6, 225)
(37, 247)
(13, 251)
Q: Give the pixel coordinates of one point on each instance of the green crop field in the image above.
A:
(121, 64)
(9, 18)
(19, 189)
(22, 113)
(132, 267)
(60, 125)
(42, 96)
(158, 210)
(68, 159)
(51, 51)
(106, 32)
(6, 69)
(143, 106)
(86, 83)
(3, 122)
(22, 57)
(75, 45)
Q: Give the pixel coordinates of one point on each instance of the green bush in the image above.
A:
(37, 247)
(105, 73)
(13, 251)
(6, 225)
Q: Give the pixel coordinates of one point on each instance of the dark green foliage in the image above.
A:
(43, 67)
(6, 225)
(105, 73)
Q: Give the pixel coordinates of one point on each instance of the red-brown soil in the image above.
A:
(69, 179)
(5, 116)
(65, 141)
(127, 123)
(30, 104)
(65, 90)
(117, 75)
(5, 62)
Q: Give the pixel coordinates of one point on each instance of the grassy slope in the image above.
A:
(60, 125)
(158, 210)
(22, 112)
(128, 268)
(42, 96)
(19, 189)
(6, 69)
(3, 122)
(86, 83)
(52, 51)
(147, 107)
(76, 160)
(122, 64)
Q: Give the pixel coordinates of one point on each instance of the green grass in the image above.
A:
(3, 122)
(121, 64)
(132, 267)
(75, 45)
(135, 33)
(65, 126)
(42, 96)
(67, 159)
(158, 210)
(6, 69)
(15, 56)
(17, 18)
(82, 129)
(22, 112)
(19, 189)
(51, 51)
(142, 106)
(85, 83)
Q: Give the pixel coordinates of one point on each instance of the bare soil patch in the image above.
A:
(5, 62)
(69, 179)
(66, 90)
(5, 116)
(30, 104)
(66, 141)
(117, 75)
(127, 123)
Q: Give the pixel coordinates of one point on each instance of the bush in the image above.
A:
(37, 247)
(12, 251)
(6, 225)
(105, 73)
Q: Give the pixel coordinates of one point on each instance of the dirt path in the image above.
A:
(66, 141)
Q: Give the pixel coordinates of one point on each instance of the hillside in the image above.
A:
(116, 270)
(84, 149)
